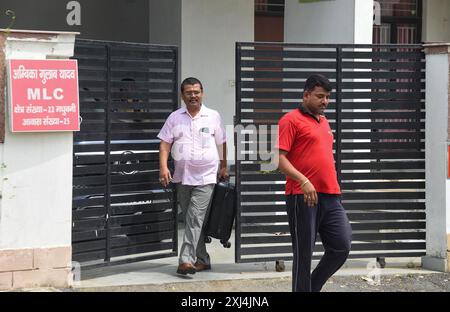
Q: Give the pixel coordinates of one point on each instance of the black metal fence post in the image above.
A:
(338, 137)
(108, 154)
(237, 122)
(174, 189)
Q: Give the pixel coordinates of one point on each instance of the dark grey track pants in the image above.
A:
(328, 218)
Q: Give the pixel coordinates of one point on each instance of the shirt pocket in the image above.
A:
(206, 139)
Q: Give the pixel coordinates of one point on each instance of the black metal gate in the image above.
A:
(378, 119)
(120, 212)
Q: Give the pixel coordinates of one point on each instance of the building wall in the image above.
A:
(125, 20)
(363, 22)
(35, 172)
(35, 183)
(436, 21)
(210, 29)
(343, 21)
(435, 144)
(437, 139)
(269, 28)
(165, 22)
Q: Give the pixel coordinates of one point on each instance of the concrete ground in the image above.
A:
(417, 282)
(400, 274)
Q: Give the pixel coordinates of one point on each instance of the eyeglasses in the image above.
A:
(189, 93)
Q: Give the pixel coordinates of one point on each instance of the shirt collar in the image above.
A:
(202, 113)
(305, 111)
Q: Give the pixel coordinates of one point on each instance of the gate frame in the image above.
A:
(338, 157)
(107, 260)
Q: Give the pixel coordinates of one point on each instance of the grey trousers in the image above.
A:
(194, 202)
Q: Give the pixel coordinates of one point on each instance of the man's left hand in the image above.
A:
(223, 174)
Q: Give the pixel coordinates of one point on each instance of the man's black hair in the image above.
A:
(191, 81)
(317, 80)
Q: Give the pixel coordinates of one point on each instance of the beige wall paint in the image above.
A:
(436, 21)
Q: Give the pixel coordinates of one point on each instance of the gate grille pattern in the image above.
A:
(377, 116)
(120, 213)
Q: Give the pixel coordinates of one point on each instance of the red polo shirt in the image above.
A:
(309, 144)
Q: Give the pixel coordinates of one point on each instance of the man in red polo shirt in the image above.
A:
(313, 200)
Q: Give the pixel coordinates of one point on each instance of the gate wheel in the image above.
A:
(279, 266)
(381, 261)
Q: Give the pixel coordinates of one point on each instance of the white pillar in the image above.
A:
(437, 139)
(343, 21)
(35, 182)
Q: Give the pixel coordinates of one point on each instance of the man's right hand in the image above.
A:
(310, 192)
(164, 176)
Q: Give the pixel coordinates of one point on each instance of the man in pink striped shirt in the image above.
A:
(195, 137)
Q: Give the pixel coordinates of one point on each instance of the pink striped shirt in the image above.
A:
(194, 145)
